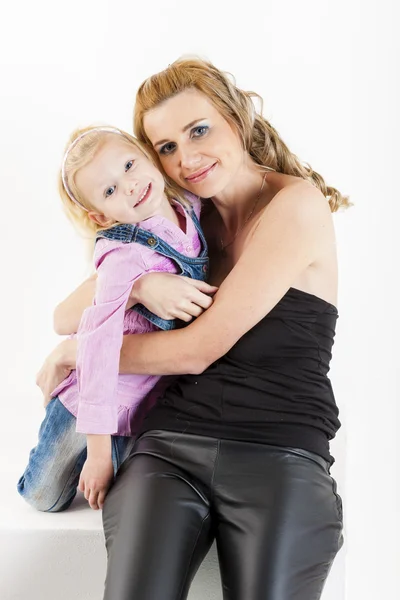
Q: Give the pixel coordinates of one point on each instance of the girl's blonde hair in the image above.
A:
(259, 138)
(80, 155)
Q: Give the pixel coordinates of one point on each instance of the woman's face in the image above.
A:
(197, 147)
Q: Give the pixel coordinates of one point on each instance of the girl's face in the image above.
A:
(197, 147)
(121, 183)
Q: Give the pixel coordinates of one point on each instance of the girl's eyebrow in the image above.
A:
(105, 183)
(188, 126)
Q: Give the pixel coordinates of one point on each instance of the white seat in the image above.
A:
(56, 556)
(61, 556)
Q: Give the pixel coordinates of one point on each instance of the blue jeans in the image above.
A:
(50, 480)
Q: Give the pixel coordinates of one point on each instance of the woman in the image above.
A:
(236, 450)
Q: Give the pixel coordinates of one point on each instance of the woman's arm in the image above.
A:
(291, 235)
(68, 313)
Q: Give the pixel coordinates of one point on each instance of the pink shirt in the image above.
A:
(104, 401)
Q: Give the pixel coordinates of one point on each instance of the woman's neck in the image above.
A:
(236, 202)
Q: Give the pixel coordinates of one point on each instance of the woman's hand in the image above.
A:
(172, 296)
(56, 368)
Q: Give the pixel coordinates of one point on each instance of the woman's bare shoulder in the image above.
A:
(296, 197)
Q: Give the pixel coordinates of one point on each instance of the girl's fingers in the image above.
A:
(203, 286)
(101, 498)
(93, 499)
(184, 316)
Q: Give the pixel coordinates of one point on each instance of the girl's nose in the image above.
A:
(130, 186)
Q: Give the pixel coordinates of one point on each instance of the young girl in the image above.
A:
(111, 187)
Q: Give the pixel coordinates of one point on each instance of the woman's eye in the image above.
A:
(167, 148)
(109, 191)
(128, 165)
(200, 131)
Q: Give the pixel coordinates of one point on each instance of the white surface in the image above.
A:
(327, 72)
(47, 556)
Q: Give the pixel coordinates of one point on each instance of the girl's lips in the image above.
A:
(200, 175)
(145, 196)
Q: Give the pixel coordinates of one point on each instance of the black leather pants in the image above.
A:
(274, 513)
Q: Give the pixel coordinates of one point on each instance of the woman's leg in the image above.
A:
(158, 530)
(51, 477)
(280, 522)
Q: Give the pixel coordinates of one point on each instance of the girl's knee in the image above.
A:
(44, 500)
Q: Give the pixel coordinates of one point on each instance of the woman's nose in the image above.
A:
(189, 158)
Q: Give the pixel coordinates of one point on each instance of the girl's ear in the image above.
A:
(99, 219)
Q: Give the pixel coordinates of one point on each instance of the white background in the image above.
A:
(329, 77)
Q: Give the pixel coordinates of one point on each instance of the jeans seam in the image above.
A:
(299, 452)
(216, 461)
(189, 483)
(191, 556)
(338, 500)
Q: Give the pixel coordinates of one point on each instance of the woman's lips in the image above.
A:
(200, 175)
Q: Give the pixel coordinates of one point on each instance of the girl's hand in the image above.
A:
(56, 368)
(95, 480)
(172, 296)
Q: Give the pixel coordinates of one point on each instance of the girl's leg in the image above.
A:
(50, 480)
(158, 529)
(121, 449)
(280, 522)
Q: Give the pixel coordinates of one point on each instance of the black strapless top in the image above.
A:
(272, 387)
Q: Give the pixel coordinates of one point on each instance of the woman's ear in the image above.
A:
(99, 219)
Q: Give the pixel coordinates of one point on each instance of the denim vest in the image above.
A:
(196, 268)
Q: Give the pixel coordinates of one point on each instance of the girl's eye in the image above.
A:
(128, 165)
(199, 131)
(167, 148)
(109, 191)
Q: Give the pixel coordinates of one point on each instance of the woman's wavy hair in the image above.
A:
(260, 139)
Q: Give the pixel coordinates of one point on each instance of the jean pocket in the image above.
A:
(338, 499)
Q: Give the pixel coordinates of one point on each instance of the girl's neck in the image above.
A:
(168, 211)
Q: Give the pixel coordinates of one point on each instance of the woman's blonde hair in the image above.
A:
(260, 139)
(80, 155)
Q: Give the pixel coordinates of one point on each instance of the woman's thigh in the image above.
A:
(280, 522)
(158, 530)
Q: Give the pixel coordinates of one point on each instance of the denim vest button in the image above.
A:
(205, 268)
(151, 241)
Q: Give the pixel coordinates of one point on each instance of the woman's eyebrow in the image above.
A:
(188, 126)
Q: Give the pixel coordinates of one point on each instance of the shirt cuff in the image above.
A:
(96, 419)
